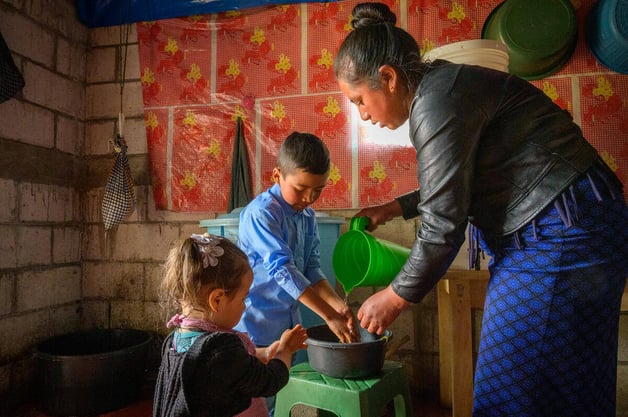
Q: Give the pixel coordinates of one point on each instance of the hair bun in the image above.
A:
(367, 14)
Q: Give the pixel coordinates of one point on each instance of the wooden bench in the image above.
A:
(459, 292)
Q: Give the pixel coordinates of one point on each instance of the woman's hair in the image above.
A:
(303, 151)
(376, 41)
(197, 265)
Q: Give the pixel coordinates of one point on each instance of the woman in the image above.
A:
(492, 150)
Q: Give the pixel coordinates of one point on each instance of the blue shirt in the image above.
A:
(283, 249)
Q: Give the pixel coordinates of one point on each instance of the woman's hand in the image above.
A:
(380, 310)
(379, 215)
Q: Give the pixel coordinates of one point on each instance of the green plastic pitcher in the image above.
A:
(361, 260)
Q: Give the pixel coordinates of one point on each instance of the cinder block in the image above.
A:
(622, 390)
(45, 288)
(8, 206)
(137, 315)
(8, 246)
(27, 38)
(101, 65)
(66, 244)
(103, 100)
(26, 123)
(135, 135)
(146, 241)
(70, 137)
(95, 243)
(95, 314)
(33, 245)
(61, 19)
(71, 58)
(154, 274)
(92, 203)
(399, 231)
(98, 136)
(134, 99)
(53, 91)
(31, 328)
(133, 71)
(44, 202)
(110, 35)
(7, 291)
(108, 280)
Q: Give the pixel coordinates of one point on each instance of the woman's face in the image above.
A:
(385, 106)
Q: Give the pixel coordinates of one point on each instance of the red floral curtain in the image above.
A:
(272, 67)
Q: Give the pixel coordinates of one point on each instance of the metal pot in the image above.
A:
(346, 360)
(91, 372)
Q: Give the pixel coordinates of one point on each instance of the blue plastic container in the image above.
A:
(606, 32)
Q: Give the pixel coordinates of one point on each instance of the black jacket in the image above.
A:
(216, 377)
(492, 150)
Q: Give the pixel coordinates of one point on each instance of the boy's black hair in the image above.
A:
(303, 151)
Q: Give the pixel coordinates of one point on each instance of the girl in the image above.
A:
(207, 368)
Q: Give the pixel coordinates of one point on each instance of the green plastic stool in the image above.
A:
(364, 397)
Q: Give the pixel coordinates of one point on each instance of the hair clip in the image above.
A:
(209, 248)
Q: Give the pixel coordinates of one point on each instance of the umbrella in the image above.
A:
(240, 189)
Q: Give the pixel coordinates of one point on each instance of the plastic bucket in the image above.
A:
(361, 260)
(487, 53)
(606, 32)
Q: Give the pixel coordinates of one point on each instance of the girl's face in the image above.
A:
(386, 106)
(300, 189)
(229, 307)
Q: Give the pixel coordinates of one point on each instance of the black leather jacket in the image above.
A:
(492, 150)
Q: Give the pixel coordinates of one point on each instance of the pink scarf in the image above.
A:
(258, 405)
(179, 320)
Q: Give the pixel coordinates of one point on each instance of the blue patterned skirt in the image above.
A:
(548, 344)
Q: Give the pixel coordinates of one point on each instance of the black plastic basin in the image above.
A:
(346, 360)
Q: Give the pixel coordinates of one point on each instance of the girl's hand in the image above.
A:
(270, 351)
(292, 339)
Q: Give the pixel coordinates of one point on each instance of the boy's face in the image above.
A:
(300, 189)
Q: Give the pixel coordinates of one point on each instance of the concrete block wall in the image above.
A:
(60, 271)
(41, 165)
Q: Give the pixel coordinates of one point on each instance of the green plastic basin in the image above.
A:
(540, 35)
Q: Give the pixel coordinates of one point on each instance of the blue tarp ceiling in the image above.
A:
(98, 13)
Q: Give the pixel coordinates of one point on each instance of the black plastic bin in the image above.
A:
(91, 372)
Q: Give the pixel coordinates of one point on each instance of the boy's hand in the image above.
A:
(293, 339)
(345, 328)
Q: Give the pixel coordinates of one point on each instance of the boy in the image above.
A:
(279, 234)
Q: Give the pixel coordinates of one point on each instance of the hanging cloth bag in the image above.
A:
(119, 200)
